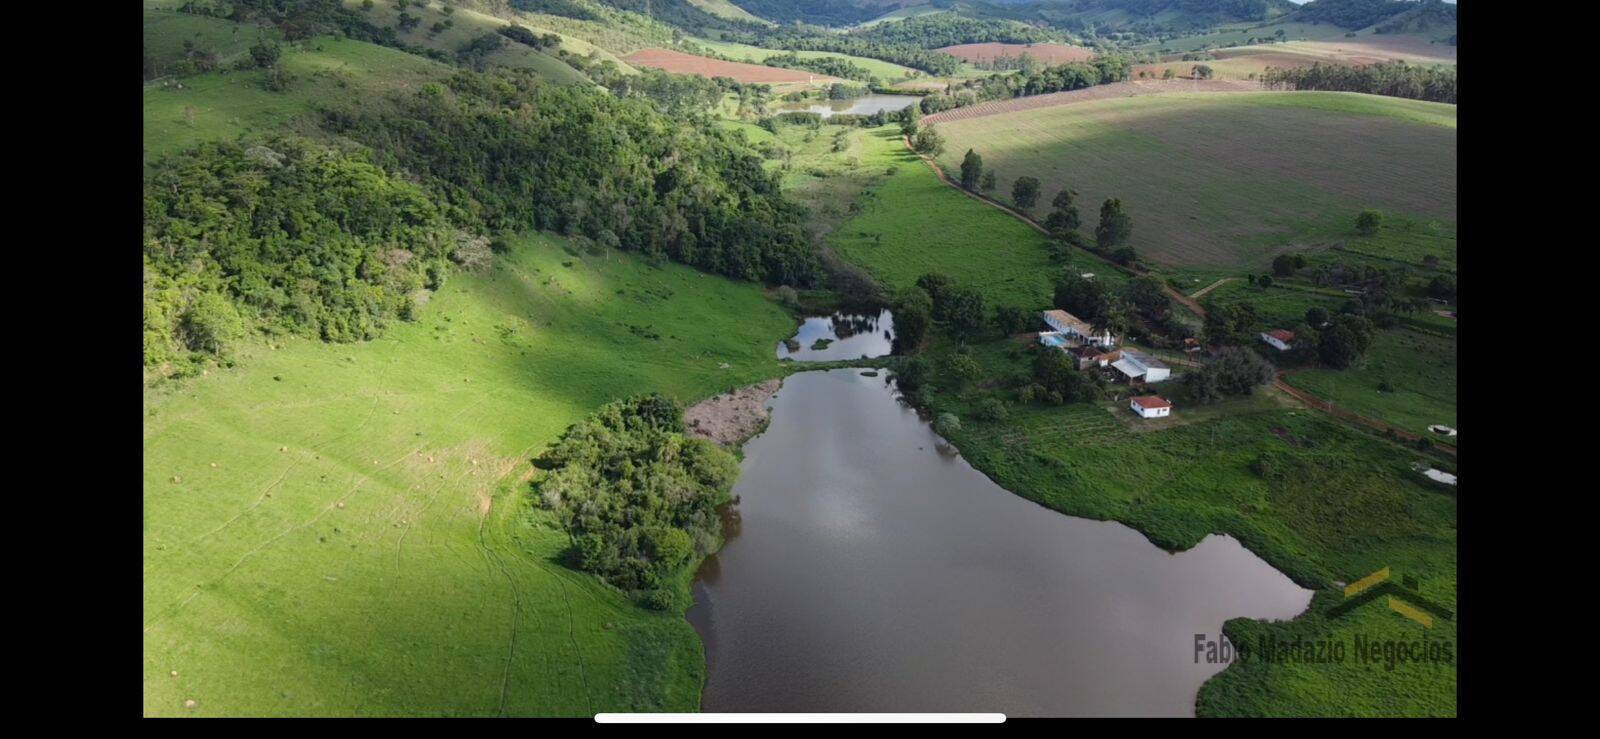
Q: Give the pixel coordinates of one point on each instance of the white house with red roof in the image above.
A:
(1278, 338)
(1150, 406)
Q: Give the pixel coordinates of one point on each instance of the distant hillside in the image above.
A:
(1398, 16)
(836, 13)
(726, 9)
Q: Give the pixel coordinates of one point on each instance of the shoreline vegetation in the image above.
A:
(392, 374)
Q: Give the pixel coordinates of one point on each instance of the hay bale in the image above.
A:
(190, 703)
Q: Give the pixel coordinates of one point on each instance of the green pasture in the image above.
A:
(343, 529)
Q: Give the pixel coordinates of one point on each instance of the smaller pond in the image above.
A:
(865, 105)
(841, 336)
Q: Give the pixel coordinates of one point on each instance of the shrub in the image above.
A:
(210, 324)
(1368, 222)
(991, 409)
(946, 424)
(637, 496)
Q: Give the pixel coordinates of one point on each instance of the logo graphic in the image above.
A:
(1403, 598)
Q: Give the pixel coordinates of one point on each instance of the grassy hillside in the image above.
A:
(340, 529)
(464, 25)
(726, 9)
(1408, 379)
(168, 35)
(223, 105)
(900, 14)
(911, 224)
(888, 72)
(1228, 180)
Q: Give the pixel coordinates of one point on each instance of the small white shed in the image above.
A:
(1150, 406)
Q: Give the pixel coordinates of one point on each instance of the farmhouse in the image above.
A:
(1150, 406)
(1094, 357)
(1278, 338)
(1139, 366)
(1070, 329)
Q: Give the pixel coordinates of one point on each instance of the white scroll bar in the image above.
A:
(800, 718)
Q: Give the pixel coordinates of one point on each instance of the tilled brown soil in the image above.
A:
(678, 62)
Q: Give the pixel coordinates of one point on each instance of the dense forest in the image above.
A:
(637, 496)
(1071, 76)
(834, 66)
(802, 38)
(1355, 14)
(1396, 79)
(296, 237)
(949, 29)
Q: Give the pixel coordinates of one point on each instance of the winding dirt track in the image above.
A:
(1311, 401)
(1131, 88)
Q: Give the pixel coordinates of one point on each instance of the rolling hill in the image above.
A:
(1228, 179)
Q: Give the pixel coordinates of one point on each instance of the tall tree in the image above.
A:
(971, 170)
(1115, 225)
(1025, 192)
(913, 312)
(908, 123)
(1064, 214)
(929, 142)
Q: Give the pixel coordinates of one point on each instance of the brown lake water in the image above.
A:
(864, 105)
(851, 336)
(872, 569)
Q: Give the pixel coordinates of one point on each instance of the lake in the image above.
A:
(865, 105)
(851, 336)
(870, 568)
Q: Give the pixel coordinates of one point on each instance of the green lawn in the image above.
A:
(1278, 306)
(1407, 379)
(910, 224)
(1228, 180)
(363, 544)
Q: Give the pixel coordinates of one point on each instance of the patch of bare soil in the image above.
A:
(678, 62)
(731, 418)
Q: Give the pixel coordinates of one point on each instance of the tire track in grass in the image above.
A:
(516, 614)
(492, 556)
(266, 492)
(338, 502)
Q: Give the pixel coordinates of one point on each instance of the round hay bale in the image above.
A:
(341, 504)
(176, 479)
(191, 703)
(174, 673)
(213, 465)
(283, 449)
